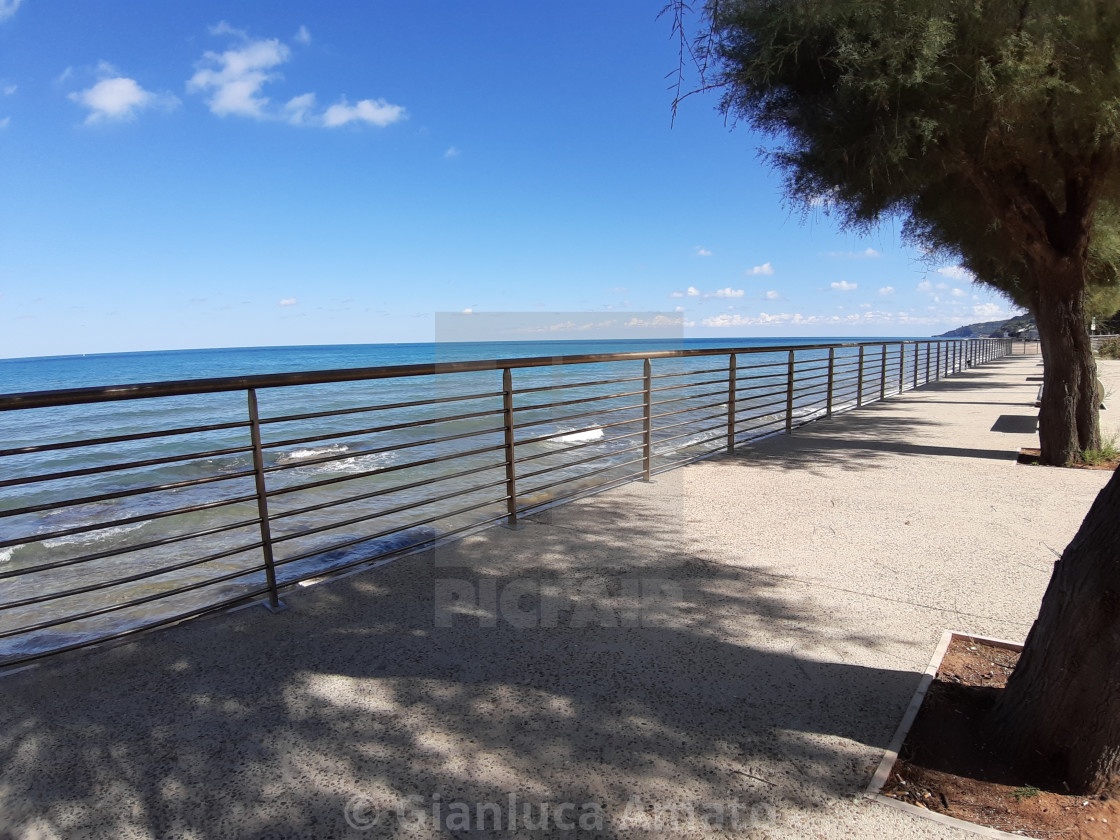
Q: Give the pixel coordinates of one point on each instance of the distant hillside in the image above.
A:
(992, 329)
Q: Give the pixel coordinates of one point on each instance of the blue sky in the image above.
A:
(181, 175)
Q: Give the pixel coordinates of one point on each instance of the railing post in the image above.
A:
(732, 385)
(883, 376)
(859, 379)
(928, 350)
(510, 451)
(901, 367)
(917, 356)
(939, 361)
(789, 394)
(647, 420)
(831, 380)
(274, 603)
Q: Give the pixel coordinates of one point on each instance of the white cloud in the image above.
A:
(958, 293)
(236, 76)
(8, 8)
(288, 302)
(726, 293)
(234, 82)
(4, 123)
(451, 152)
(925, 286)
(678, 309)
(692, 291)
(798, 319)
(299, 108)
(887, 290)
(676, 294)
(845, 286)
(64, 75)
(765, 268)
(867, 253)
(655, 321)
(956, 272)
(772, 294)
(9, 89)
(702, 252)
(118, 98)
(987, 311)
(467, 311)
(373, 111)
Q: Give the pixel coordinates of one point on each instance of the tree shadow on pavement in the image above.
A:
(715, 685)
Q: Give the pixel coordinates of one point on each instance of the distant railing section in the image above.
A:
(133, 506)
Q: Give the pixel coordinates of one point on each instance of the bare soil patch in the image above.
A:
(946, 764)
(1030, 457)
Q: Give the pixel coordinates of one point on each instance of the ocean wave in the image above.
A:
(579, 437)
(6, 553)
(93, 536)
(312, 452)
(359, 463)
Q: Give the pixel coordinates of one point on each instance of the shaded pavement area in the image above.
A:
(724, 652)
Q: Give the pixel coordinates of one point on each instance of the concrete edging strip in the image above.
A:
(891, 755)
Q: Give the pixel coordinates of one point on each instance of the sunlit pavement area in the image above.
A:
(725, 652)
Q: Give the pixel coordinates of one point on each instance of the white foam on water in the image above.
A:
(6, 553)
(359, 463)
(313, 452)
(580, 437)
(93, 536)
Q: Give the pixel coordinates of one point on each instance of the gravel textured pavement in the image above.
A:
(724, 652)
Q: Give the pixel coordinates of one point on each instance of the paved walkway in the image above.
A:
(778, 608)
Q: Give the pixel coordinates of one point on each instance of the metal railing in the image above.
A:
(210, 493)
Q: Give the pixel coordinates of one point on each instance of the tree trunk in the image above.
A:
(1068, 421)
(1062, 702)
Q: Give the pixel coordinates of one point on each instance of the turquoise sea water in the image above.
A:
(379, 456)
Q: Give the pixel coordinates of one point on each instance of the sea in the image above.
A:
(124, 534)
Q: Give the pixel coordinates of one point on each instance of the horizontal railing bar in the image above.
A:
(379, 535)
(185, 387)
(762, 365)
(127, 520)
(421, 545)
(781, 402)
(597, 456)
(722, 414)
(598, 442)
(318, 529)
(690, 385)
(780, 423)
(372, 430)
(384, 491)
(583, 492)
(482, 450)
(578, 401)
(100, 441)
(378, 450)
(688, 410)
(687, 397)
(663, 441)
(131, 631)
(93, 587)
(557, 483)
(121, 494)
(576, 432)
(773, 386)
(291, 418)
(128, 549)
(599, 412)
(136, 602)
(690, 373)
(588, 384)
(126, 465)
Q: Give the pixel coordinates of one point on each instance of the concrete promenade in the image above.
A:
(786, 600)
